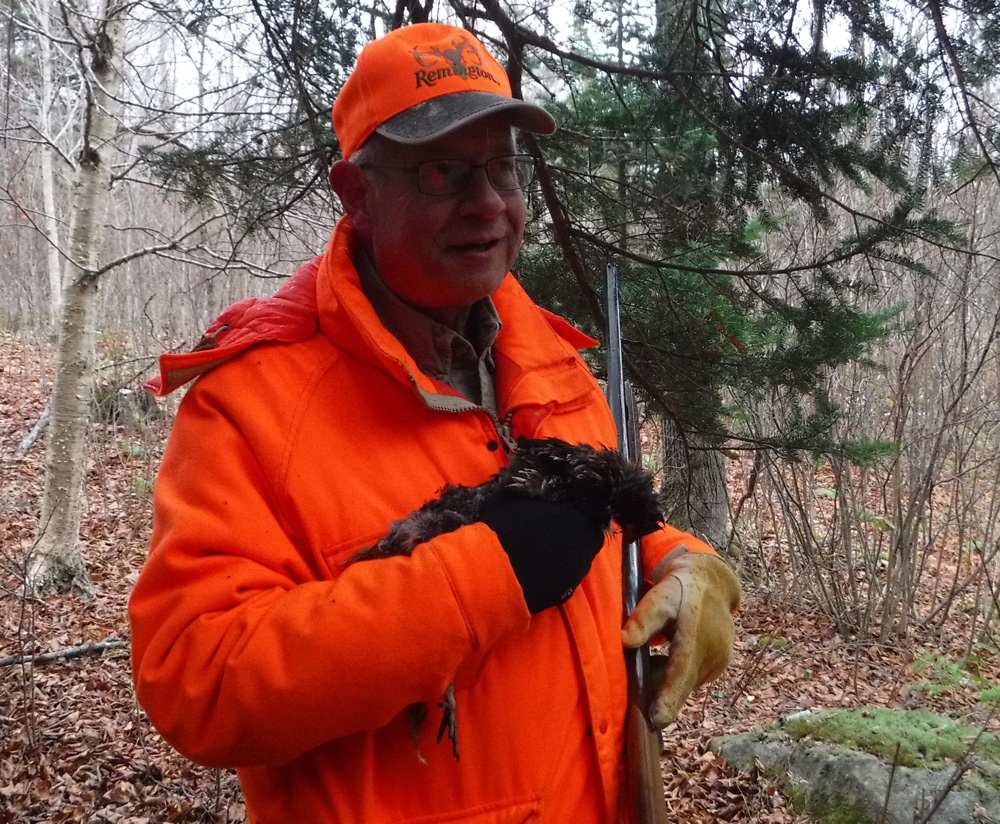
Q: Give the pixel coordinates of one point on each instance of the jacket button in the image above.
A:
(493, 446)
(603, 726)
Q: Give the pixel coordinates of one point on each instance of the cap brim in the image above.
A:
(438, 116)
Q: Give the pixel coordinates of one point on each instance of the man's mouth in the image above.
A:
(485, 246)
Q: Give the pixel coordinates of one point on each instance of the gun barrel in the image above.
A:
(644, 783)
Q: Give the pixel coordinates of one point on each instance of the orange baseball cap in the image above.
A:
(423, 81)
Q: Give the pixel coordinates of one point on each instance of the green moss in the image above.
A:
(771, 642)
(819, 803)
(909, 738)
(941, 674)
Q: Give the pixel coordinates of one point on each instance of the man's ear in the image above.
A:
(352, 186)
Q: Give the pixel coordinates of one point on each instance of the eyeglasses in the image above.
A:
(444, 178)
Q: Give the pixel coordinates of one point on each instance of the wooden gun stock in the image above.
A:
(643, 779)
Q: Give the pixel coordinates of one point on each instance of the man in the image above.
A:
(404, 359)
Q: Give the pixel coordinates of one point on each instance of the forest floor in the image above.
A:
(75, 746)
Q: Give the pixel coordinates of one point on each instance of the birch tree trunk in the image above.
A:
(48, 172)
(55, 563)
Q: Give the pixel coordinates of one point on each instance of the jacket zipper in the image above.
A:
(451, 403)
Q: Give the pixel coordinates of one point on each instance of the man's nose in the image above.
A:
(480, 198)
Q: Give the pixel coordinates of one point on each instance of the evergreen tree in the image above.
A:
(671, 167)
(678, 156)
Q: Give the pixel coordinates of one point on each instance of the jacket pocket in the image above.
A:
(523, 811)
(341, 555)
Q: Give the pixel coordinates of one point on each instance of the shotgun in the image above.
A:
(643, 780)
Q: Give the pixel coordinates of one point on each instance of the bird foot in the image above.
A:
(449, 721)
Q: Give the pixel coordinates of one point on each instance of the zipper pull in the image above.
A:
(506, 436)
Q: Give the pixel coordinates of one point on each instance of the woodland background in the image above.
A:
(800, 198)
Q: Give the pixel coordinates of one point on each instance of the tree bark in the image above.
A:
(55, 564)
(47, 167)
(694, 494)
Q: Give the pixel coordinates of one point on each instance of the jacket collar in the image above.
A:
(531, 340)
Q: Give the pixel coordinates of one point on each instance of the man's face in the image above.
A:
(443, 252)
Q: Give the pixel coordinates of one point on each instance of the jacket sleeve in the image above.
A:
(244, 655)
(657, 545)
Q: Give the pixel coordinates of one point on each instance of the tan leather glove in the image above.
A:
(691, 602)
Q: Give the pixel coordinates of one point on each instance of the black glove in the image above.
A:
(550, 545)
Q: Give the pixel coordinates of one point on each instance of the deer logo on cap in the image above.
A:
(462, 59)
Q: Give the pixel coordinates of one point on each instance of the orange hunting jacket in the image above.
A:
(258, 646)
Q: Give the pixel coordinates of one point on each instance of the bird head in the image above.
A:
(600, 480)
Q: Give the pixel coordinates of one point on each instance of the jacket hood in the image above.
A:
(288, 316)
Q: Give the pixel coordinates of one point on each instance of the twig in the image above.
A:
(751, 487)
(69, 652)
(888, 790)
(33, 435)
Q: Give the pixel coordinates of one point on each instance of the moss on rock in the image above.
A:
(837, 766)
(909, 738)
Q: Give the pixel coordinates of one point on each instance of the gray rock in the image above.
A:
(837, 785)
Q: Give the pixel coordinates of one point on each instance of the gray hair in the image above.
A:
(370, 151)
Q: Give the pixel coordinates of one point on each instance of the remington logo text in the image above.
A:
(428, 77)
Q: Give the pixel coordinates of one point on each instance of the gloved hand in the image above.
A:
(550, 545)
(691, 602)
